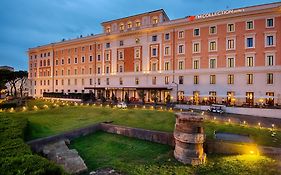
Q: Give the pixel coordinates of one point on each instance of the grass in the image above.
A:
(52, 121)
(132, 156)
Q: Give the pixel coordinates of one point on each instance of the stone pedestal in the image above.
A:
(189, 138)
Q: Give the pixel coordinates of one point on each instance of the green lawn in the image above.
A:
(52, 121)
(132, 156)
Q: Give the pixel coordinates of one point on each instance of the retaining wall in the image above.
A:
(259, 112)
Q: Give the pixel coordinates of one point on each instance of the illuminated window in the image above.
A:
(129, 25)
(167, 66)
(250, 61)
(212, 63)
(250, 78)
(269, 78)
(196, 79)
(121, 27)
(166, 79)
(196, 47)
(230, 62)
(138, 23)
(212, 79)
(230, 79)
(196, 64)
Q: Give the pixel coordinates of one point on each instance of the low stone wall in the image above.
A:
(38, 144)
(259, 112)
(148, 135)
(63, 99)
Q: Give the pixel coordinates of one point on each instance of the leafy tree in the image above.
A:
(142, 95)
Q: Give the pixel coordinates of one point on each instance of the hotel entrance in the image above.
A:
(250, 98)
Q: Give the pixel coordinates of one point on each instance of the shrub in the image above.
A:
(15, 156)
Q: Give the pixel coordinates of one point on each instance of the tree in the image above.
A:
(22, 78)
(142, 95)
(127, 100)
(154, 96)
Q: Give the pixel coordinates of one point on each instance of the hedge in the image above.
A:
(15, 156)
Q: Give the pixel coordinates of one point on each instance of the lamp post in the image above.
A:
(177, 90)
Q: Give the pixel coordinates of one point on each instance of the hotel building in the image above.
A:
(231, 56)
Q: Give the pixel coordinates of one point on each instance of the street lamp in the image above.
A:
(177, 90)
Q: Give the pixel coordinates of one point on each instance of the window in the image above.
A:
(107, 56)
(68, 72)
(120, 81)
(154, 80)
(154, 38)
(250, 78)
(250, 61)
(69, 61)
(196, 47)
(62, 72)
(230, 27)
(180, 65)
(107, 45)
(154, 67)
(249, 25)
(98, 57)
(82, 81)
(75, 60)
(137, 53)
(121, 27)
(137, 67)
(57, 82)
(181, 49)
(230, 44)
(137, 40)
(250, 42)
(121, 43)
(154, 51)
(98, 81)
(212, 46)
(230, 62)
(129, 25)
(99, 70)
(230, 79)
(107, 81)
(82, 71)
(167, 66)
(181, 34)
(196, 79)
(269, 23)
(90, 81)
(138, 23)
(180, 79)
(167, 50)
(155, 20)
(212, 79)
(120, 68)
(108, 30)
(107, 69)
(120, 55)
(269, 60)
(212, 63)
(167, 36)
(91, 58)
(196, 64)
(90, 70)
(75, 81)
(137, 81)
(269, 40)
(269, 78)
(75, 71)
(213, 30)
(196, 32)
(83, 59)
(166, 79)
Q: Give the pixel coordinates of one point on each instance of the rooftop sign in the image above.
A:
(213, 14)
(219, 13)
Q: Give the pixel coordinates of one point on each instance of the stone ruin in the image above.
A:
(69, 159)
(189, 138)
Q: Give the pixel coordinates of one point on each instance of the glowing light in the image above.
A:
(100, 105)
(244, 122)
(171, 109)
(23, 108)
(181, 110)
(259, 124)
(273, 125)
(202, 113)
(45, 106)
(143, 107)
(136, 106)
(12, 110)
(35, 108)
(215, 118)
(229, 120)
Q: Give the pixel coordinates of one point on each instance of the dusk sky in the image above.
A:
(28, 23)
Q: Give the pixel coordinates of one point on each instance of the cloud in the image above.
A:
(25, 24)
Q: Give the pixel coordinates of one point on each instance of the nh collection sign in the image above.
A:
(219, 13)
(213, 14)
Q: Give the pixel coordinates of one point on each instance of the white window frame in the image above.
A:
(183, 67)
(135, 53)
(266, 60)
(246, 59)
(216, 61)
(194, 32)
(266, 34)
(226, 44)
(193, 44)
(196, 59)
(154, 47)
(254, 41)
(227, 28)
(167, 62)
(165, 36)
(230, 56)
(169, 50)
(246, 26)
(183, 48)
(182, 34)
(216, 28)
(269, 27)
(209, 44)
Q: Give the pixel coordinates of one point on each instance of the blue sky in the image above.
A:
(28, 23)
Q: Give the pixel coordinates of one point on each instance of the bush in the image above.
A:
(8, 105)
(15, 156)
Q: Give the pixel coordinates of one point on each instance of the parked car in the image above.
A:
(122, 105)
(216, 108)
